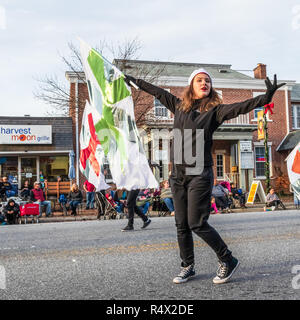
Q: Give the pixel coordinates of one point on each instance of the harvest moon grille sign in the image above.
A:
(27, 134)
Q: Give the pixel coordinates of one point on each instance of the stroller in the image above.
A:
(105, 209)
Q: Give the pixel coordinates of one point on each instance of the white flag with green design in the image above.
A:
(115, 126)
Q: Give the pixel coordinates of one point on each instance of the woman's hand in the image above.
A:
(127, 79)
(271, 88)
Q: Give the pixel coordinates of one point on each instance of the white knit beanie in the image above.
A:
(195, 72)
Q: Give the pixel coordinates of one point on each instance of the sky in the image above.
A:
(35, 34)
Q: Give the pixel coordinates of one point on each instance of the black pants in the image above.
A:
(276, 203)
(11, 218)
(133, 208)
(192, 196)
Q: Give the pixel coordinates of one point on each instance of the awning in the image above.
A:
(290, 141)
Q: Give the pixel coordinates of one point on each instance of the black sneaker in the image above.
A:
(128, 228)
(226, 270)
(146, 224)
(185, 274)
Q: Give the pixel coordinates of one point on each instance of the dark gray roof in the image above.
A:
(290, 141)
(295, 94)
(178, 69)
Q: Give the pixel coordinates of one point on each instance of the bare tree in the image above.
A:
(57, 95)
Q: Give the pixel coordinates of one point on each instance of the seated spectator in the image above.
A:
(11, 211)
(120, 198)
(213, 208)
(74, 198)
(112, 202)
(6, 187)
(167, 196)
(273, 200)
(63, 202)
(143, 200)
(25, 192)
(238, 194)
(37, 196)
(220, 195)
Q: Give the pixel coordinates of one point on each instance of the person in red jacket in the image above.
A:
(196, 117)
(37, 196)
(90, 189)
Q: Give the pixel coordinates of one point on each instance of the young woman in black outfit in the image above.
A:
(200, 108)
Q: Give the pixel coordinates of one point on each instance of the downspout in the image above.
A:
(287, 109)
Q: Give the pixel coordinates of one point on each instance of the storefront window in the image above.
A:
(28, 171)
(53, 167)
(9, 168)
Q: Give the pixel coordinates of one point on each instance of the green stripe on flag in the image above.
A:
(112, 92)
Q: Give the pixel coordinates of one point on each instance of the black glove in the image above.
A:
(271, 88)
(127, 79)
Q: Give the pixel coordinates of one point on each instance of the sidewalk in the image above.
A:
(85, 215)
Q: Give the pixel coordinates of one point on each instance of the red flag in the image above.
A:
(296, 163)
(89, 152)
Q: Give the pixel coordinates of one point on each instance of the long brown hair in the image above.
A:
(74, 187)
(212, 100)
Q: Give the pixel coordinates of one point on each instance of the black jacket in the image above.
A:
(75, 196)
(5, 186)
(15, 208)
(209, 120)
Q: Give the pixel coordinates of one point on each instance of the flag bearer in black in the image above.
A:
(133, 208)
(200, 108)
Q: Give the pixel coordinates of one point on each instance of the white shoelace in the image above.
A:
(185, 271)
(222, 270)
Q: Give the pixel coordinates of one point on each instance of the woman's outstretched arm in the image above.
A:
(166, 98)
(229, 111)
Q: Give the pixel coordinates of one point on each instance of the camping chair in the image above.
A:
(159, 206)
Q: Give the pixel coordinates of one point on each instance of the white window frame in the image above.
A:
(255, 94)
(260, 145)
(295, 116)
(158, 104)
(223, 166)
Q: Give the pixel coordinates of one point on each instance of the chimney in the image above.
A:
(260, 72)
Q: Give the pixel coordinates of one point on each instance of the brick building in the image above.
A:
(238, 155)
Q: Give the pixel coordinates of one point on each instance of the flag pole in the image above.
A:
(267, 162)
(134, 85)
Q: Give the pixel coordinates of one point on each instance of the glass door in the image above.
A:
(28, 171)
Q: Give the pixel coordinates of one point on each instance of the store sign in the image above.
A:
(247, 160)
(246, 145)
(26, 134)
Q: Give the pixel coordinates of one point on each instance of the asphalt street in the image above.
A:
(95, 260)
